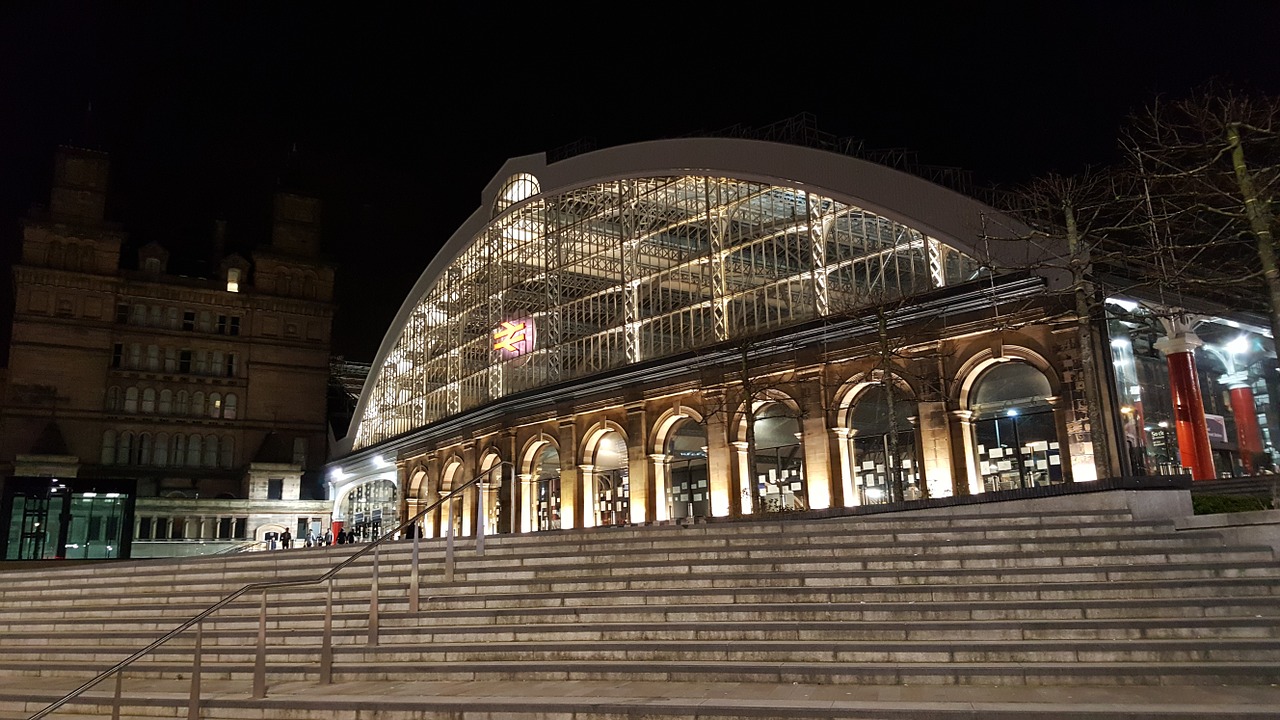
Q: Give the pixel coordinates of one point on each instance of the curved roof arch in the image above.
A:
(928, 210)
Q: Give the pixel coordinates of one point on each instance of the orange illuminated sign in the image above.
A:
(513, 337)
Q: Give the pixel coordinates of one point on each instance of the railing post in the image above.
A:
(480, 517)
(373, 599)
(448, 546)
(115, 704)
(326, 640)
(260, 663)
(193, 704)
(413, 570)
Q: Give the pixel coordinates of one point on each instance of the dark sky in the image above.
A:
(400, 116)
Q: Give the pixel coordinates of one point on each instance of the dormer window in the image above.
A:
(233, 279)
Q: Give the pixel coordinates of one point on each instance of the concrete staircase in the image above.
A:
(1080, 606)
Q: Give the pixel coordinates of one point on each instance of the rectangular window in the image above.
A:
(184, 361)
(117, 355)
(144, 528)
(234, 327)
(122, 313)
(275, 488)
(206, 321)
(242, 523)
(230, 369)
(170, 359)
(222, 324)
(224, 528)
(188, 320)
(202, 362)
(300, 451)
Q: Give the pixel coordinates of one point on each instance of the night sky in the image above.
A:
(397, 118)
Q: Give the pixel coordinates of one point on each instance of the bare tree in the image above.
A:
(1210, 165)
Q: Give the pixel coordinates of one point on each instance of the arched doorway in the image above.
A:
(370, 509)
(611, 477)
(689, 491)
(885, 462)
(779, 459)
(546, 478)
(1015, 432)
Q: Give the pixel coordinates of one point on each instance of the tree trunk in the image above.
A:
(1258, 211)
(1084, 327)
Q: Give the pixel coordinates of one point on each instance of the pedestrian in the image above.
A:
(328, 537)
(342, 537)
(286, 539)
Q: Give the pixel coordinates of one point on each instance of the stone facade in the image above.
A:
(174, 382)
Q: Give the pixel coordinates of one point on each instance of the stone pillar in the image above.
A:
(589, 495)
(964, 455)
(720, 468)
(1188, 404)
(469, 506)
(431, 525)
(643, 498)
(742, 470)
(1245, 413)
(817, 459)
(528, 508)
(661, 492)
(570, 488)
(844, 447)
(1065, 446)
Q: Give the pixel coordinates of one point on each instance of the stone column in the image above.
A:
(1063, 433)
(720, 467)
(817, 460)
(1245, 413)
(844, 446)
(589, 495)
(570, 488)
(643, 498)
(1188, 404)
(742, 470)
(661, 493)
(528, 508)
(964, 455)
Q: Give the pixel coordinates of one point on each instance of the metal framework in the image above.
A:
(634, 269)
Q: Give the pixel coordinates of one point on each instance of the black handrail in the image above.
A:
(199, 617)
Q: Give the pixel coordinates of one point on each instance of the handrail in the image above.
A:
(199, 617)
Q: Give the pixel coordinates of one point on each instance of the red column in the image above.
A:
(1188, 405)
(1248, 437)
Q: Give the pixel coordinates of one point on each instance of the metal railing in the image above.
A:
(326, 648)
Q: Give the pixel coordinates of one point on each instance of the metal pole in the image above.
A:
(413, 570)
(115, 706)
(448, 545)
(193, 705)
(480, 518)
(373, 599)
(326, 641)
(260, 663)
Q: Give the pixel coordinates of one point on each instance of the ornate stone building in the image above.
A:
(721, 327)
(155, 413)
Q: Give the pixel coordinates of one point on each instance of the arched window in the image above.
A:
(228, 451)
(229, 407)
(131, 400)
(166, 401)
(546, 470)
(687, 479)
(884, 446)
(149, 400)
(144, 449)
(113, 399)
(160, 457)
(124, 448)
(610, 473)
(215, 405)
(179, 450)
(1017, 439)
(779, 480)
(108, 456)
(193, 451)
(197, 404)
(210, 451)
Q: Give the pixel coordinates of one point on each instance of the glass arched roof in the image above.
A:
(567, 284)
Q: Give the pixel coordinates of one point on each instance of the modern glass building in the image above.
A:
(718, 327)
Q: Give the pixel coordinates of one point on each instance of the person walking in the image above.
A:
(286, 539)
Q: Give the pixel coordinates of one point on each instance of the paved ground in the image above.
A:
(567, 699)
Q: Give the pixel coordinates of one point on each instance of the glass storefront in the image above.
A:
(1237, 375)
(690, 494)
(779, 460)
(884, 447)
(72, 519)
(1016, 435)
